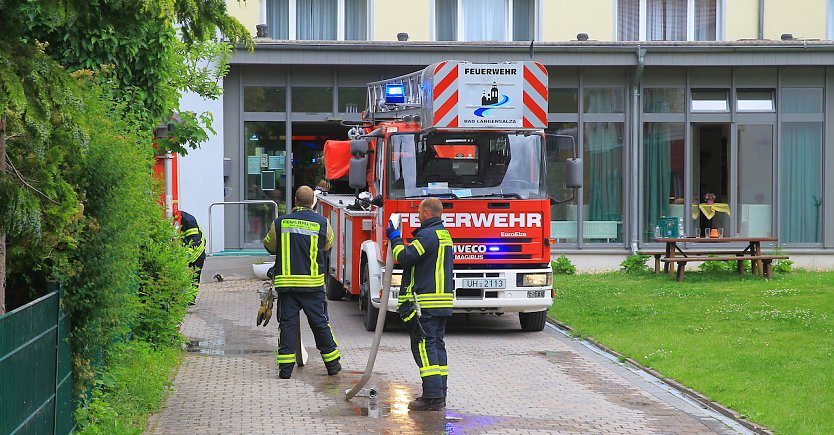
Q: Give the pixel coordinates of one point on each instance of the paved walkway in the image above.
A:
(501, 381)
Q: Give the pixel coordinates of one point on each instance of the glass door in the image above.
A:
(710, 185)
(265, 178)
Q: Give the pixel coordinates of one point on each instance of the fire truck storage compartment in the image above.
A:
(351, 228)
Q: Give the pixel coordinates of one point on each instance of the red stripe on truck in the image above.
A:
(533, 107)
(445, 108)
(535, 83)
(445, 83)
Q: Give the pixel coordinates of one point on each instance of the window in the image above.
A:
(663, 100)
(485, 20)
(327, 20)
(466, 165)
(603, 184)
(755, 100)
(800, 179)
(669, 20)
(312, 100)
(264, 99)
(663, 170)
(352, 100)
(563, 100)
(801, 100)
(708, 100)
(604, 100)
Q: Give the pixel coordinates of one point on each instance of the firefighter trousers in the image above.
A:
(315, 307)
(430, 356)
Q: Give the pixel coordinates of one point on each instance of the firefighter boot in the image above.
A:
(285, 370)
(333, 367)
(421, 404)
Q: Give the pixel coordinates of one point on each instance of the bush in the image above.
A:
(563, 266)
(781, 266)
(635, 264)
(135, 386)
(723, 266)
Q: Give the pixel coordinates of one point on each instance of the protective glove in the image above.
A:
(408, 313)
(392, 232)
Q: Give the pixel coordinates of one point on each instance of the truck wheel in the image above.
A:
(333, 288)
(369, 313)
(531, 322)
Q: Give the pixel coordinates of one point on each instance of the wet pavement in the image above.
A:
(501, 380)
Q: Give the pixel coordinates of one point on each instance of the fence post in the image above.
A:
(53, 286)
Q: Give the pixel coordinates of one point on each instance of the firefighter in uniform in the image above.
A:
(299, 241)
(425, 299)
(192, 238)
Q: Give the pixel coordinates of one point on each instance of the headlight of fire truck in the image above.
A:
(534, 279)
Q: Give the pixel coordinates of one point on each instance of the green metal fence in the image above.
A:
(36, 369)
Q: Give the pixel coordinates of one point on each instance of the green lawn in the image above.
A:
(763, 348)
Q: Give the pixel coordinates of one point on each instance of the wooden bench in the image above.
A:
(767, 270)
(659, 254)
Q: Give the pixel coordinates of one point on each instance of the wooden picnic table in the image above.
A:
(760, 264)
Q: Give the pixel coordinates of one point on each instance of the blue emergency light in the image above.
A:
(394, 93)
(494, 249)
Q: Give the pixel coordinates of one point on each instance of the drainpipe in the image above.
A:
(635, 138)
(761, 20)
(169, 185)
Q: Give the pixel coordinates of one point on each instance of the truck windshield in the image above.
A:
(466, 165)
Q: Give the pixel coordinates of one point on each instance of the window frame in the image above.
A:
(642, 33)
(508, 20)
(292, 31)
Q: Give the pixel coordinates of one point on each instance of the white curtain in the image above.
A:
(705, 20)
(356, 20)
(316, 19)
(278, 13)
(524, 23)
(666, 20)
(628, 20)
(446, 20)
(484, 20)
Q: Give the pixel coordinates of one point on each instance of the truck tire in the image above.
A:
(369, 313)
(532, 322)
(333, 289)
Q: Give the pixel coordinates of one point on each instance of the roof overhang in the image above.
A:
(572, 53)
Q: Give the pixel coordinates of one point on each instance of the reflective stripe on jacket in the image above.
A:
(427, 268)
(192, 236)
(299, 241)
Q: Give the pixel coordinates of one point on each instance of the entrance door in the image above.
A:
(710, 178)
(265, 178)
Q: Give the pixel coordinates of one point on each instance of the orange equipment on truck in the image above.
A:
(471, 135)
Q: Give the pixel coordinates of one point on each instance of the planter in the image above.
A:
(260, 270)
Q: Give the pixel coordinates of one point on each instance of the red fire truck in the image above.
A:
(472, 136)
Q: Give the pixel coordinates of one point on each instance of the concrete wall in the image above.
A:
(395, 16)
(247, 12)
(201, 172)
(803, 19)
(563, 19)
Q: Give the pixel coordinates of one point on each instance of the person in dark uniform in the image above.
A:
(425, 300)
(192, 238)
(300, 241)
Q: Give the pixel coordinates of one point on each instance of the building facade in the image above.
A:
(670, 101)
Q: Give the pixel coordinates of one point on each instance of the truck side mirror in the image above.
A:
(358, 175)
(573, 173)
(358, 171)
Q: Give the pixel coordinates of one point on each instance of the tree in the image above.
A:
(153, 49)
